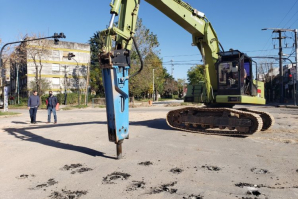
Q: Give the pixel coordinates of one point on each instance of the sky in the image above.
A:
(238, 25)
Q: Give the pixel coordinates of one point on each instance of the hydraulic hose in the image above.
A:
(221, 47)
(141, 60)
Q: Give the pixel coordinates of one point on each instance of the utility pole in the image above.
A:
(279, 31)
(271, 89)
(172, 67)
(281, 71)
(296, 60)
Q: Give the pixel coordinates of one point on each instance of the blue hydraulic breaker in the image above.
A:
(115, 64)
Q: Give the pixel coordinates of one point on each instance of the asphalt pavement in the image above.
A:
(74, 158)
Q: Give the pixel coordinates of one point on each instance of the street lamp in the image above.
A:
(56, 37)
(71, 56)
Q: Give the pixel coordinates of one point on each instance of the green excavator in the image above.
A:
(229, 78)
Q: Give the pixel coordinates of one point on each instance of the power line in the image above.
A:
(290, 19)
(294, 22)
(288, 13)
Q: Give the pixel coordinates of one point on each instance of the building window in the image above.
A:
(55, 67)
(56, 54)
(56, 81)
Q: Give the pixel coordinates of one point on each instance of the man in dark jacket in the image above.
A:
(51, 106)
(33, 104)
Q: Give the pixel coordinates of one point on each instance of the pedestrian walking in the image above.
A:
(51, 106)
(33, 104)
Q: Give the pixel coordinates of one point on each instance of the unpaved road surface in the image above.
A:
(74, 158)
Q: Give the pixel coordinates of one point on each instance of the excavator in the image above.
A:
(228, 76)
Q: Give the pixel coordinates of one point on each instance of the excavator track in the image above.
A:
(268, 119)
(213, 121)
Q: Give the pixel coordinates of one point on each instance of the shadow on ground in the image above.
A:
(26, 135)
(160, 124)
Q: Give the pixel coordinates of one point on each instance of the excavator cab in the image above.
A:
(234, 73)
(235, 79)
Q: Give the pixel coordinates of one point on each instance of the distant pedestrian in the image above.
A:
(33, 104)
(51, 106)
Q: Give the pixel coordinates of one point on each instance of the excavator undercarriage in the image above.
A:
(219, 121)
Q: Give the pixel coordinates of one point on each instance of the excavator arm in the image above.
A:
(115, 56)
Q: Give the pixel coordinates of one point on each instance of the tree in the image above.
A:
(96, 43)
(78, 73)
(195, 74)
(140, 84)
(6, 53)
(147, 45)
(44, 85)
(181, 83)
(37, 51)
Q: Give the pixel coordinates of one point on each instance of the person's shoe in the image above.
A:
(55, 122)
(34, 122)
(48, 122)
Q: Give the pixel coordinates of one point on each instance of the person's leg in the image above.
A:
(34, 114)
(31, 114)
(55, 115)
(49, 114)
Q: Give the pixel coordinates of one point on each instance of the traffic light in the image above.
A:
(290, 76)
(70, 55)
(57, 36)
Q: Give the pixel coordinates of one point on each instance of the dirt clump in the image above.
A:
(164, 188)
(72, 166)
(146, 163)
(176, 170)
(24, 176)
(259, 171)
(211, 168)
(193, 197)
(50, 182)
(67, 194)
(136, 185)
(81, 170)
(75, 168)
(244, 184)
(114, 176)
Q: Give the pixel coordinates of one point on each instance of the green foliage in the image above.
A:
(142, 84)
(45, 85)
(23, 101)
(195, 74)
(181, 83)
(96, 43)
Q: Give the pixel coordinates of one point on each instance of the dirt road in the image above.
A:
(74, 158)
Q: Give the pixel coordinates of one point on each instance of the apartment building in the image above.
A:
(63, 67)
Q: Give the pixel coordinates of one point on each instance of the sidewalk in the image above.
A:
(283, 105)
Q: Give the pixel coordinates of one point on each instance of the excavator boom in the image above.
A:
(223, 74)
